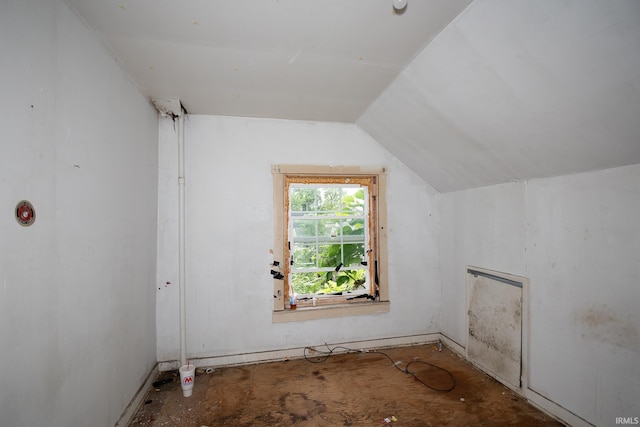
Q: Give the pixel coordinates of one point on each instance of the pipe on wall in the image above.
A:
(173, 108)
(181, 241)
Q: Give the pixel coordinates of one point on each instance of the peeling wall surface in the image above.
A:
(577, 239)
(229, 224)
(77, 301)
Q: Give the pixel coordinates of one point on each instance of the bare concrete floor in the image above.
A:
(356, 389)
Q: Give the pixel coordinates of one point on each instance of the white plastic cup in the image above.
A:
(187, 378)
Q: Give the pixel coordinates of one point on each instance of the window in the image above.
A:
(330, 241)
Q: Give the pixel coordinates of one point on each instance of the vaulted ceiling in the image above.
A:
(465, 93)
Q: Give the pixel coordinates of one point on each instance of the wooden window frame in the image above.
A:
(329, 307)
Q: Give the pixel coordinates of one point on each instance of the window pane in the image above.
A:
(329, 255)
(330, 230)
(304, 200)
(351, 280)
(353, 201)
(307, 283)
(328, 227)
(326, 283)
(353, 227)
(304, 255)
(304, 228)
(331, 201)
(353, 254)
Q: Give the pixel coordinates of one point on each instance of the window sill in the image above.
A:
(329, 311)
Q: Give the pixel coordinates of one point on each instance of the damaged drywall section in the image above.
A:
(169, 107)
(495, 324)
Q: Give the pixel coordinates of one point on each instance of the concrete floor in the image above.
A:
(357, 389)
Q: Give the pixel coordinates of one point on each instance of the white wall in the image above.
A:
(483, 227)
(77, 300)
(577, 238)
(229, 225)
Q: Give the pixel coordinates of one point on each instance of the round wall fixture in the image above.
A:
(25, 214)
(399, 4)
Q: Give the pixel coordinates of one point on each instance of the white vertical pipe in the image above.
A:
(181, 246)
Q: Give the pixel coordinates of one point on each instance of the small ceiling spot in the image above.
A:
(194, 22)
(236, 68)
(399, 4)
(122, 6)
(151, 67)
(361, 58)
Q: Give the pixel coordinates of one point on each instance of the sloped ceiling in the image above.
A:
(515, 90)
(320, 60)
(467, 94)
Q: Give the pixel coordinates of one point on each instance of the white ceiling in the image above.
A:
(465, 95)
(321, 60)
(518, 89)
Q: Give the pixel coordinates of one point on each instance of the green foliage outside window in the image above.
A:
(320, 217)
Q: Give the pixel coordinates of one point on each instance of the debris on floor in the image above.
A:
(162, 382)
(357, 389)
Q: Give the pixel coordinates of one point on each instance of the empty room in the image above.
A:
(320, 212)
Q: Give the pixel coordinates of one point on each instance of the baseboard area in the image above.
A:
(553, 409)
(534, 398)
(453, 345)
(135, 403)
(298, 352)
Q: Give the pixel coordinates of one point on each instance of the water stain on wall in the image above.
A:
(605, 324)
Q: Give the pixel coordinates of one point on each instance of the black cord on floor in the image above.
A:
(324, 355)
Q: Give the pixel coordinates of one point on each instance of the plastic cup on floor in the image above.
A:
(187, 378)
